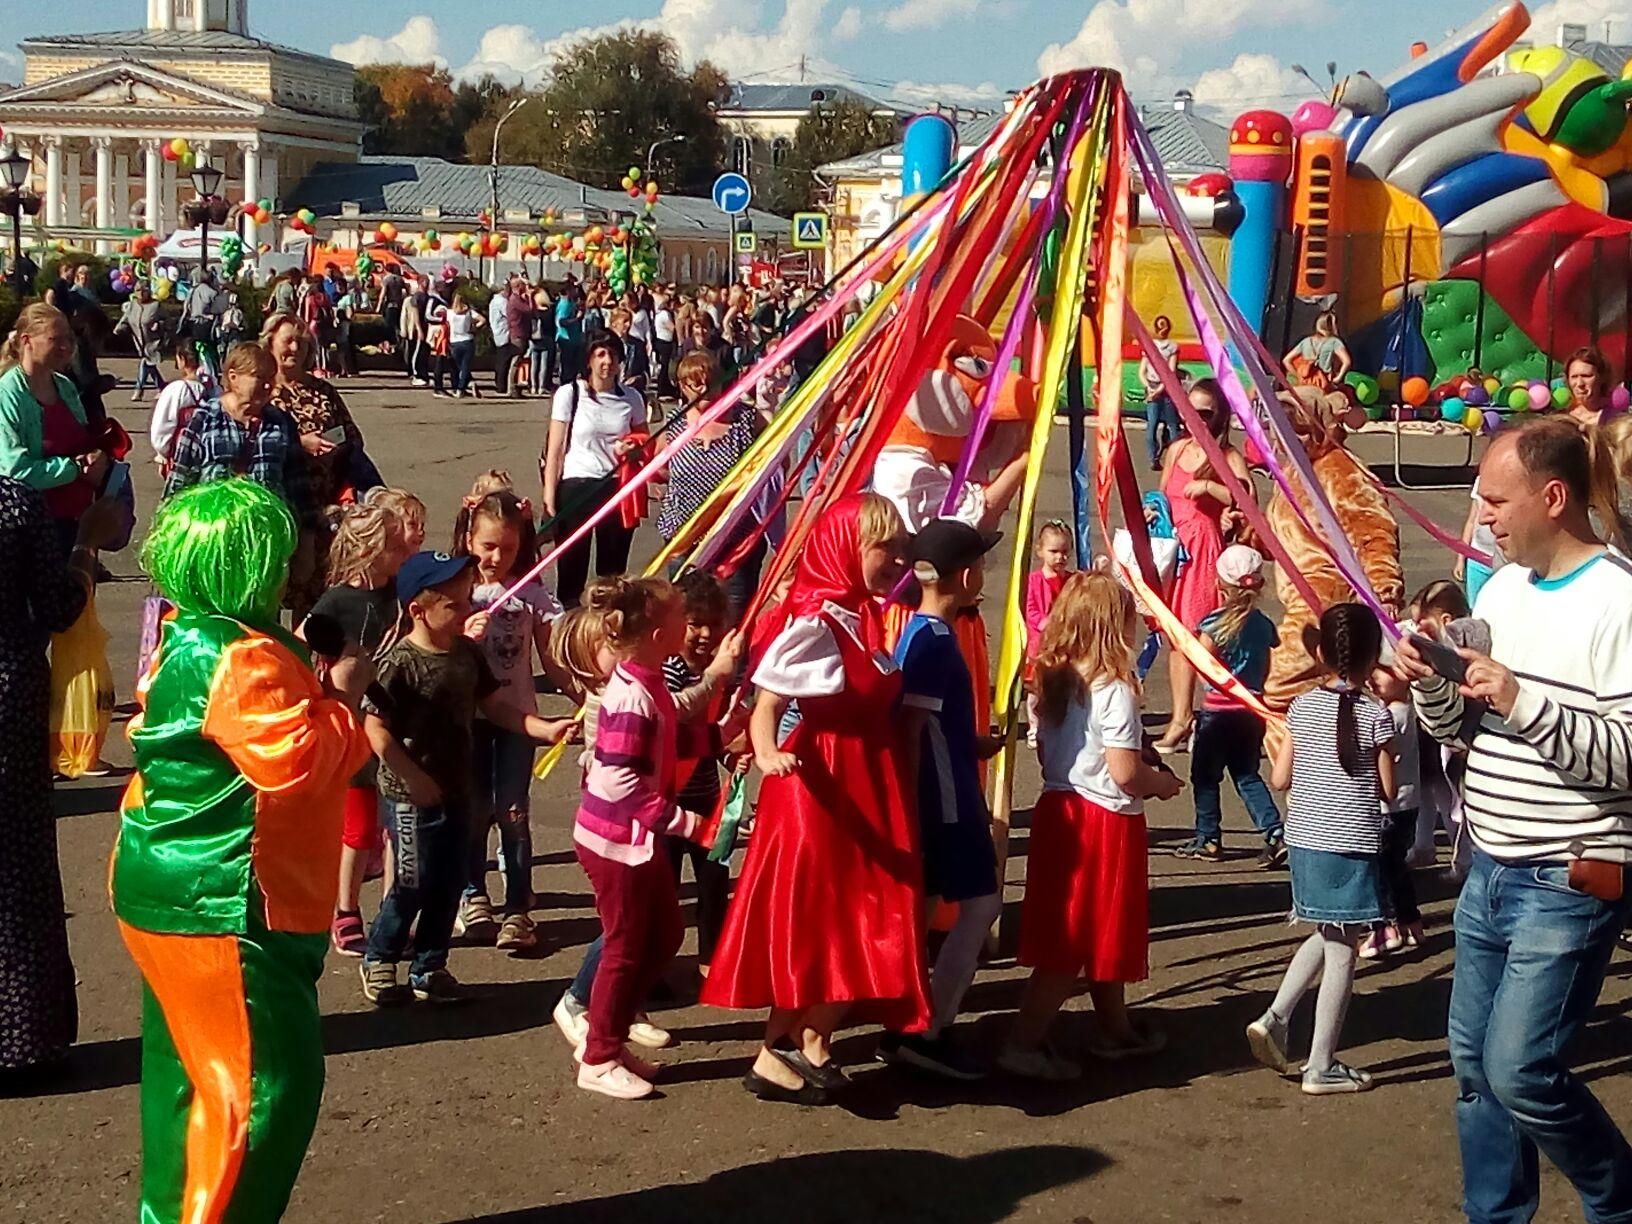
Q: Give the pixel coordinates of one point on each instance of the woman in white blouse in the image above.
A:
(595, 422)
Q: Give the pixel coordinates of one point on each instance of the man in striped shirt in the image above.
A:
(1548, 797)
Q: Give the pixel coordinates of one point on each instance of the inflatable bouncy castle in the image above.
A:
(1471, 211)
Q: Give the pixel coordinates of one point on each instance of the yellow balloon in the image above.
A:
(1493, 385)
(1473, 419)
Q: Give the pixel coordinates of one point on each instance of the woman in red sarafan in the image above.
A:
(828, 918)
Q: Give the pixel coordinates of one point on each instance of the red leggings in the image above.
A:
(360, 827)
(641, 929)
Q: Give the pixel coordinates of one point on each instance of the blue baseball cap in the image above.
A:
(428, 569)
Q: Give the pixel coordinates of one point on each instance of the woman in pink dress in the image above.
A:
(1203, 514)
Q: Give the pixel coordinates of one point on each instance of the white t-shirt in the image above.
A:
(640, 326)
(508, 642)
(1073, 750)
(662, 325)
(1169, 349)
(461, 325)
(1407, 758)
(599, 420)
(178, 399)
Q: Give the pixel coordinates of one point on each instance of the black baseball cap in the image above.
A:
(949, 545)
(424, 570)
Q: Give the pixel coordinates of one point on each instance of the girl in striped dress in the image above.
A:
(1336, 760)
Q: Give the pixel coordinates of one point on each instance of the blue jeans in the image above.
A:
(462, 353)
(1530, 959)
(147, 372)
(504, 771)
(584, 981)
(1161, 426)
(1230, 740)
(429, 846)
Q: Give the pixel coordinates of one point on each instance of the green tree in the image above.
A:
(416, 110)
(609, 98)
(831, 132)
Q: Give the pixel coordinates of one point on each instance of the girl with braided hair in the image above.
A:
(1335, 758)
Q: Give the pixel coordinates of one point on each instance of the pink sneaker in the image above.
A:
(615, 1080)
(1393, 940)
(1374, 946)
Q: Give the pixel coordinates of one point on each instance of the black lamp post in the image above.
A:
(206, 180)
(15, 201)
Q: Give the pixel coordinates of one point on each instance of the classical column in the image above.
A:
(252, 190)
(121, 188)
(104, 189)
(153, 175)
(53, 179)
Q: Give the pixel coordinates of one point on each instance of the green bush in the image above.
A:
(9, 308)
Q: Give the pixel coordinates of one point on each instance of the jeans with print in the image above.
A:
(1233, 741)
(504, 772)
(1530, 958)
(430, 846)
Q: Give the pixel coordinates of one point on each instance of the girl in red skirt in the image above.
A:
(828, 917)
(1086, 911)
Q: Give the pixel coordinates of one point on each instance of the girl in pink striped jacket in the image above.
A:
(628, 804)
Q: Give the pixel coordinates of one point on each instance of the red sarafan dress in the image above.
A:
(830, 905)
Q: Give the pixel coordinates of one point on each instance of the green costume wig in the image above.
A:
(223, 548)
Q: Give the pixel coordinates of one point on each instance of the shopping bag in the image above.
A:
(81, 694)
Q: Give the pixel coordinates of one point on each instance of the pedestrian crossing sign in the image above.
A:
(809, 230)
(747, 242)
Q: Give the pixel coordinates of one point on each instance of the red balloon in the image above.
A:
(169, 153)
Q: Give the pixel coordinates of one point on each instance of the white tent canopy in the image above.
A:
(184, 246)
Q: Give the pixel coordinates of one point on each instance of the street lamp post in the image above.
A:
(14, 202)
(206, 180)
(651, 153)
(493, 162)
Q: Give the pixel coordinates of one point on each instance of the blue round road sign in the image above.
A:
(732, 194)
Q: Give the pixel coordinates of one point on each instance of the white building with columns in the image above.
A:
(94, 111)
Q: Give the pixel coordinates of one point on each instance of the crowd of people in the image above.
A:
(868, 746)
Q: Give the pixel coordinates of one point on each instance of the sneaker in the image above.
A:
(380, 985)
(1393, 938)
(644, 1033)
(1339, 1077)
(346, 933)
(475, 921)
(1374, 946)
(936, 1055)
(1267, 1037)
(438, 986)
(572, 1018)
(615, 1080)
(517, 934)
(1273, 857)
(1038, 1064)
(1414, 936)
(1206, 851)
(648, 1071)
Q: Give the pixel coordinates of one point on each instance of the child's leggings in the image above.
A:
(641, 930)
(1328, 954)
(960, 956)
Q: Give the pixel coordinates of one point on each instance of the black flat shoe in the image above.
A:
(770, 1090)
(829, 1076)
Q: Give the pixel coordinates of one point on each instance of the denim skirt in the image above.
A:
(1335, 888)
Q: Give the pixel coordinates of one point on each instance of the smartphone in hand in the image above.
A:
(1443, 659)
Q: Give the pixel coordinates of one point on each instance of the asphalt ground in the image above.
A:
(472, 1113)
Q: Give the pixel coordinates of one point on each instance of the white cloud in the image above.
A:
(418, 42)
(1147, 39)
(987, 95)
(1590, 13)
(516, 55)
(927, 14)
(848, 26)
(1253, 80)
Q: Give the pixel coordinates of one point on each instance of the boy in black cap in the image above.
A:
(944, 751)
(419, 718)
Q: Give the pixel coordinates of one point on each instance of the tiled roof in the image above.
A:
(753, 97)
(1187, 143)
(405, 186)
(1608, 56)
(173, 40)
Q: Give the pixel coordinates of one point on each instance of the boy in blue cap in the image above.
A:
(945, 751)
(419, 718)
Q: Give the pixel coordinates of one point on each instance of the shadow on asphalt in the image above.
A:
(903, 1185)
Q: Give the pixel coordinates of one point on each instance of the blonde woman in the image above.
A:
(1321, 360)
(45, 439)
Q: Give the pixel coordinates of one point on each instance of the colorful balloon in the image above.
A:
(1414, 391)
(1540, 396)
(1473, 419)
(1476, 395)
(1493, 420)
(1518, 399)
(1620, 399)
(1561, 397)
(1365, 387)
(1454, 409)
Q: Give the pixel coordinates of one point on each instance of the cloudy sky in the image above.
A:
(1232, 53)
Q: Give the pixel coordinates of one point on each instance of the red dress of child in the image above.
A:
(830, 905)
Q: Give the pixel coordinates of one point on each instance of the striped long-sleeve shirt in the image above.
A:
(628, 794)
(1557, 771)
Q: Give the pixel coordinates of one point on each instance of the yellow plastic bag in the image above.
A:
(81, 694)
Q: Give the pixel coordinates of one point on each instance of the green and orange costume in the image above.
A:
(224, 875)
